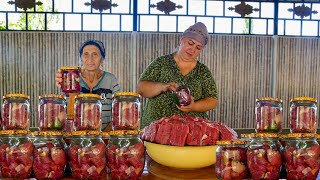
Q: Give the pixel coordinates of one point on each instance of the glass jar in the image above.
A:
(126, 111)
(231, 160)
(105, 137)
(283, 139)
(87, 155)
(301, 156)
(70, 79)
(52, 112)
(264, 156)
(15, 154)
(182, 96)
(49, 155)
(246, 137)
(303, 115)
(87, 110)
(125, 153)
(268, 112)
(15, 110)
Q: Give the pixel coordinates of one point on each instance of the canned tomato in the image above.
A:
(71, 79)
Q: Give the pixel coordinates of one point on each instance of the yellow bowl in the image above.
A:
(185, 157)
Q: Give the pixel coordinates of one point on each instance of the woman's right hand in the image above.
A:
(172, 86)
(59, 78)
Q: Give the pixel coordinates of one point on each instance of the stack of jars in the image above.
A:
(125, 149)
(87, 151)
(15, 147)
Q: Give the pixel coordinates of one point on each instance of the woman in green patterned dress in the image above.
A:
(167, 72)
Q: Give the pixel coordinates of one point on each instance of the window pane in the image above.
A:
(7, 7)
(36, 21)
(143, 7)
(111, 22)
(91, 22)
(17, 21)
(231, 12)
(316, 7)
(222, 25)
(3, 21)
(309, 28)
(208, 21)
(45, 7)
(280, 27)
(196, 7)
(267, 10)
(283, 10)
(123, 6)
(55, 21)
(270, 27)
(182, 10)
(62, 6)
(215, 8)
(292, 27)
(145, 24)
(126, 23)
(184, 22)
(241, 26)
(167, 24)
(73, 22)
(259, 26)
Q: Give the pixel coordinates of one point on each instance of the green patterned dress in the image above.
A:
(165, 69)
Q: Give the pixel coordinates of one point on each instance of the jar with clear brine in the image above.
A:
(264, 156)
(49, 155)
(231, 160)
(15, 154)
(268, 112)
(87, 110)
(52, 112)
(301, 156)
(125, 153)
(70, 79)
(15, 110)
(87, 155)
(303, 115)
(126, 111)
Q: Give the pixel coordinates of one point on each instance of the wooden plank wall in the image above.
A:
(241, 66)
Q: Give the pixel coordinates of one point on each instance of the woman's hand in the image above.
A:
(188, 108)
(59, 78)
(172, 86)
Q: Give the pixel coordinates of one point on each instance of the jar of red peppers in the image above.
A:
(246, 137)
(15, 112)
(303, 115)
(15, 154)
(105, 137)
(52, 112)
(268, 112)
(87, 110)
(264, 156)
(49, 155)
(87, 155)
(126, 111)
(70, 79)
(125, 153)
(231, 160)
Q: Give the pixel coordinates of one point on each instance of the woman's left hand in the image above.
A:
(186, 108)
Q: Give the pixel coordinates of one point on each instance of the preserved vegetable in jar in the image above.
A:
(268, 112)
(301, 156)
(183, 96)
(87, 112)
(87, 155)
(126, 111)
(264, 156)
(231, 160)
(303, 115)
(15, 112)
(125, 153)
(70, 79)
(52, 112)
(15, 154)
(49, 155)
(105, 137)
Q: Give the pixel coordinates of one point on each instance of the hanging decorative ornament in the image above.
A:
(25, 4)
(302, 11)
(166, 6)
(101, 5)
(243, 9)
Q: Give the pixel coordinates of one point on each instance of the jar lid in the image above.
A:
(70, 68)
(83, 133)
(318, 136)
(265, 135)
(269, 99)
(33, 133)
(301, 135)
(124, 132)
(16, 95)
(283, 136)
(246, 135)
(88, 95)
(104, 133)
(50, 133)
(52, 96)
(239, 142)
(126, 94)
(303, 99)
(10, 132)
(67, 134)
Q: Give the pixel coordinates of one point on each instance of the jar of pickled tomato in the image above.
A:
(231, 159)
(49, 155)
(52, 112)
(268, 112)
(70, 79)
(126, 111)
(16, 154)
(87, 110)
(303, 115)
(16, 110)
(301, 156)
(264, 156)
(126, 155)
(87, 155)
